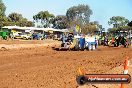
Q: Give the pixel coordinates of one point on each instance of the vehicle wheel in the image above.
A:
(5, 37)
(126, 45)
(81, 80)
(115, 45)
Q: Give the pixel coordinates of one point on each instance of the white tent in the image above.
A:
(34, 28)
(11, 27)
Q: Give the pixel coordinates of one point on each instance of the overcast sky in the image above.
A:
(102, 9)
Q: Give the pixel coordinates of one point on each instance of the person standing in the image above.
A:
(91, 42)
(97, 41)
(64, 40)
(106, 40)
(82, 42)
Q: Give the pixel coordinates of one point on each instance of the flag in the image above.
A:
(77, 28)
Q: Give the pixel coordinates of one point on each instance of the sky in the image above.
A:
(103, 10)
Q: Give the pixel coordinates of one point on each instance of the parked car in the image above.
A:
(23, 36)
(37, 36)
(26, 36)
(17, 35)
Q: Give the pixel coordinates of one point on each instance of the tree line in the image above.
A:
(13, 18)
(119, 23)
(75, 15)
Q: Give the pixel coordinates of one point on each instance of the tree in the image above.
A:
(96, 23)
(89, 28)
(60, 22)
(79, 15)
(15, 17)
(30, 24)
(110, 30)
(130, 24)
(118, 21)
(22, 22)
(6, 21)
(2, 12)
(44, 17)
(119, 24)
(25, 22)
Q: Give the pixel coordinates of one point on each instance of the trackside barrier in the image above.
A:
(82, 78)
(126, 64)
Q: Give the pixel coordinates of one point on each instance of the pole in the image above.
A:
(126, 64)
(131, 37)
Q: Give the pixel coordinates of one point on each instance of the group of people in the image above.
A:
(116, 40)
(121, 40)
(80, 42)
(91, 42)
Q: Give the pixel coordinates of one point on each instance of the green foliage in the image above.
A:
(24, 22)
(13, 18)
(2, 12)
(89, 28)
(44, 17)
(2, 8)
(119, 24)
(122, 28)
(16, 19)
(60, 22)
(79, 15)
(118, 21)
(130, 24)
(112, 30)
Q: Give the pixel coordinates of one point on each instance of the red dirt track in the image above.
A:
(42, 67)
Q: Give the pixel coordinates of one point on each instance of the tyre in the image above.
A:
(115, 45)
(81, 80)
(126, 45)
(5, 37)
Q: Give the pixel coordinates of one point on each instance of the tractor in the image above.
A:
(3, 35)
(120, 38)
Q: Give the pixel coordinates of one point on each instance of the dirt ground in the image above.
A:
(26, 66)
